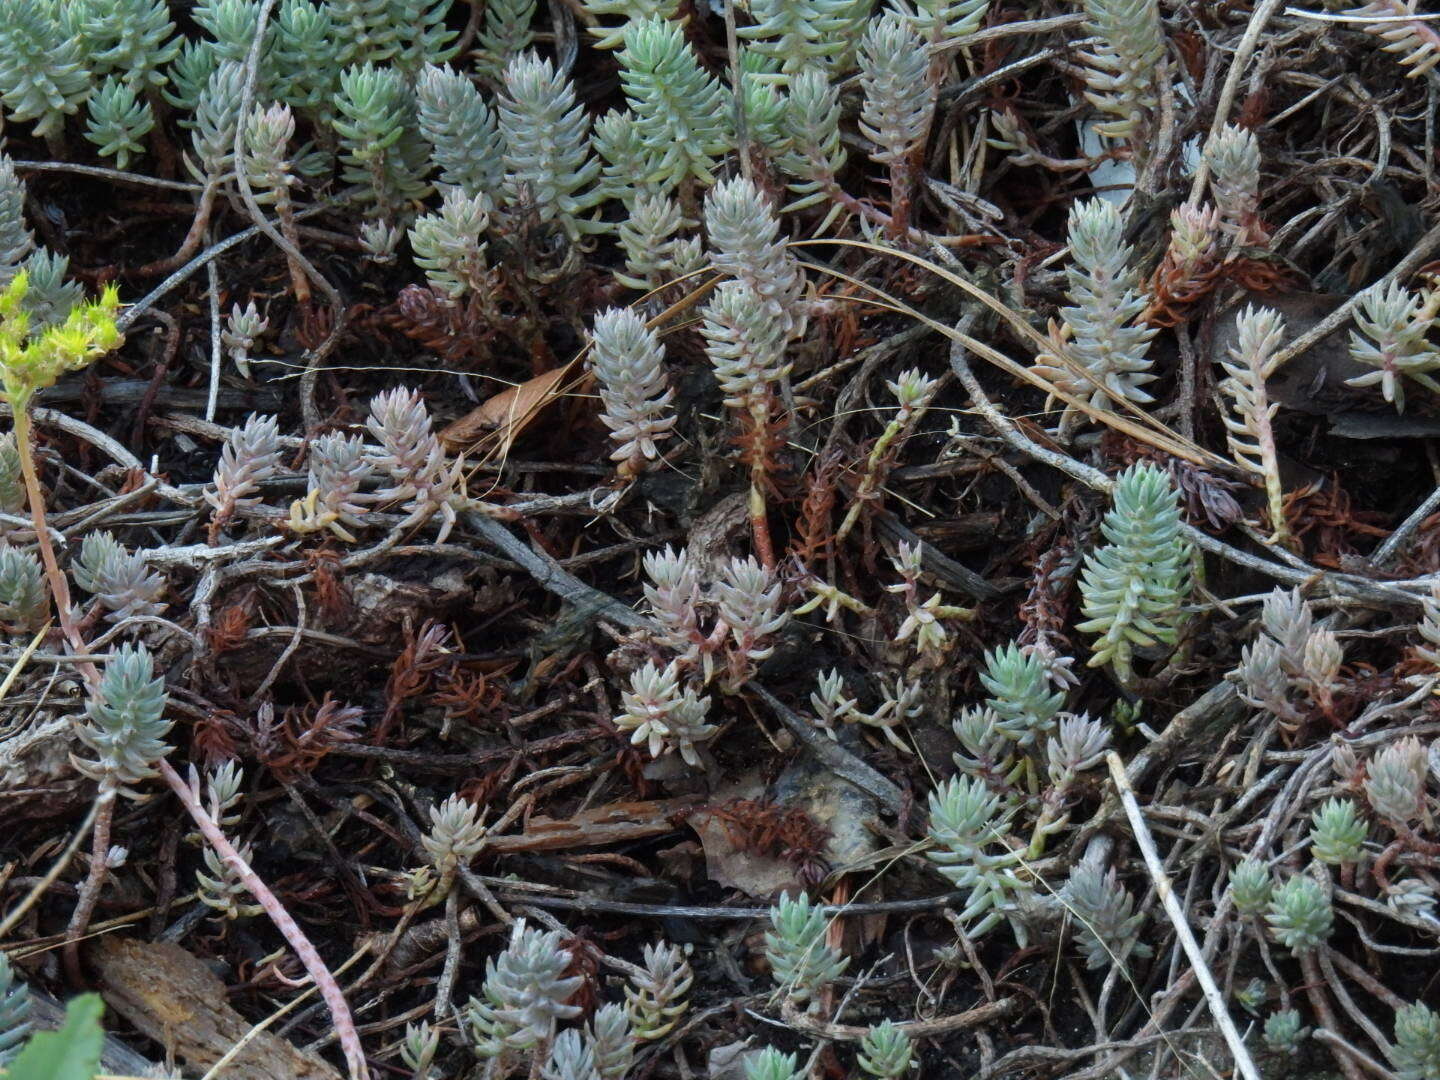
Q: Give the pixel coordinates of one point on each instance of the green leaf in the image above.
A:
(72, 1053)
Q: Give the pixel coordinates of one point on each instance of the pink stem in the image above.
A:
(320, 974)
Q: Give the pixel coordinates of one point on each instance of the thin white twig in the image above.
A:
(1213, 997)
(216, 355)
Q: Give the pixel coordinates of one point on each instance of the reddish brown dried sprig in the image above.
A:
(425, 653)
(1324, 513)
(332, 595)
(295, 745)
(454, 330)
(768, 829)
(814, 529)
(227, 629)
(1046, 608)
(467, 695)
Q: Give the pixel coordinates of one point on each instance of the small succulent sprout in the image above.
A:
(1021, 693)
(673, 594)
(748, 599)
(455, 838)
(338, 468)
(223, 794)
(899, 98)
(381, 153)
(1250, 886)
(268, 131)
(1412, 897)
(923, 621)
(380, 240)
(1122, 65)
(14, 1011)
(412, 455)
(1101, 333)
(221, 890)
(1284, 1031)
(900, 700)
(1428, 627)
(656, 997)
(613, 1040)
(1416, 1054)
(449, 245)
(546, 135)
(1192, 238)
(1300, 914)
(120, 579)
(986, 752)
(1133, 586)
(680, 108)
(43, 72)
(801, 963)
(1234, 159)
(418, 1049)
(524, 994)
(118, 121)
(571, 1058)
(504, 35)
(1395, 787)
(830, 704)
(886, 1052)
(812, 122)
(745, 343)
(461, 129)
(1392, 339)
(242, 327)
(967, 826)
(1337, 835)
(1078, 744)
(629, 362)
(1250, 436)
(1108, 927)
(24, 599)
(771, 1064)
(650, 237)
(12, 480)
(745, 243)
(1251, 996)
(663, 717)
(251, 456)
(127, 725)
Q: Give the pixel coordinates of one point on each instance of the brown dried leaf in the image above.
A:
(501, 419)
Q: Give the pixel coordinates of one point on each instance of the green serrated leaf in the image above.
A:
(72, 1053)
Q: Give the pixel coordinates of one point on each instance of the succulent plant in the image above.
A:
(899, 99)
(1395, 786)
(126, 725)
(612, 1040)
(662, 716)
(12, 480)
(1392, 340)
(830, 704)
(1412, 39)
(1122, 65)
(461, 129)
(251, 455)
(15, 239)
(771, 1064)
(504, 35)
(886, 1052)
(1250, 886)
(1234, 159)
(221, 890)
(1284, 1031)
(673, 596)
(801, 963)
(680, 109)
(967, 826)
(748, 599)
(24, 600)
(629, 362)
(131, 39)
(1337, 835)
(1416, 1054)
(242, 327)
(382, 155)
(570, 1058)
(412, 455)
(1300, 914)
(450, 246)
(14, 1011)
(1101, 334)
(792, 35)
(121, 580)
(812, 123)
(1259, 332)
(418, 1049)
(546, 134)
(118, 121)
(1108, 925)
(744, 240)
(43, 73)
(1133, 585)
(656, 997)
(524, 994)
(1021, 693)
(456, 835)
